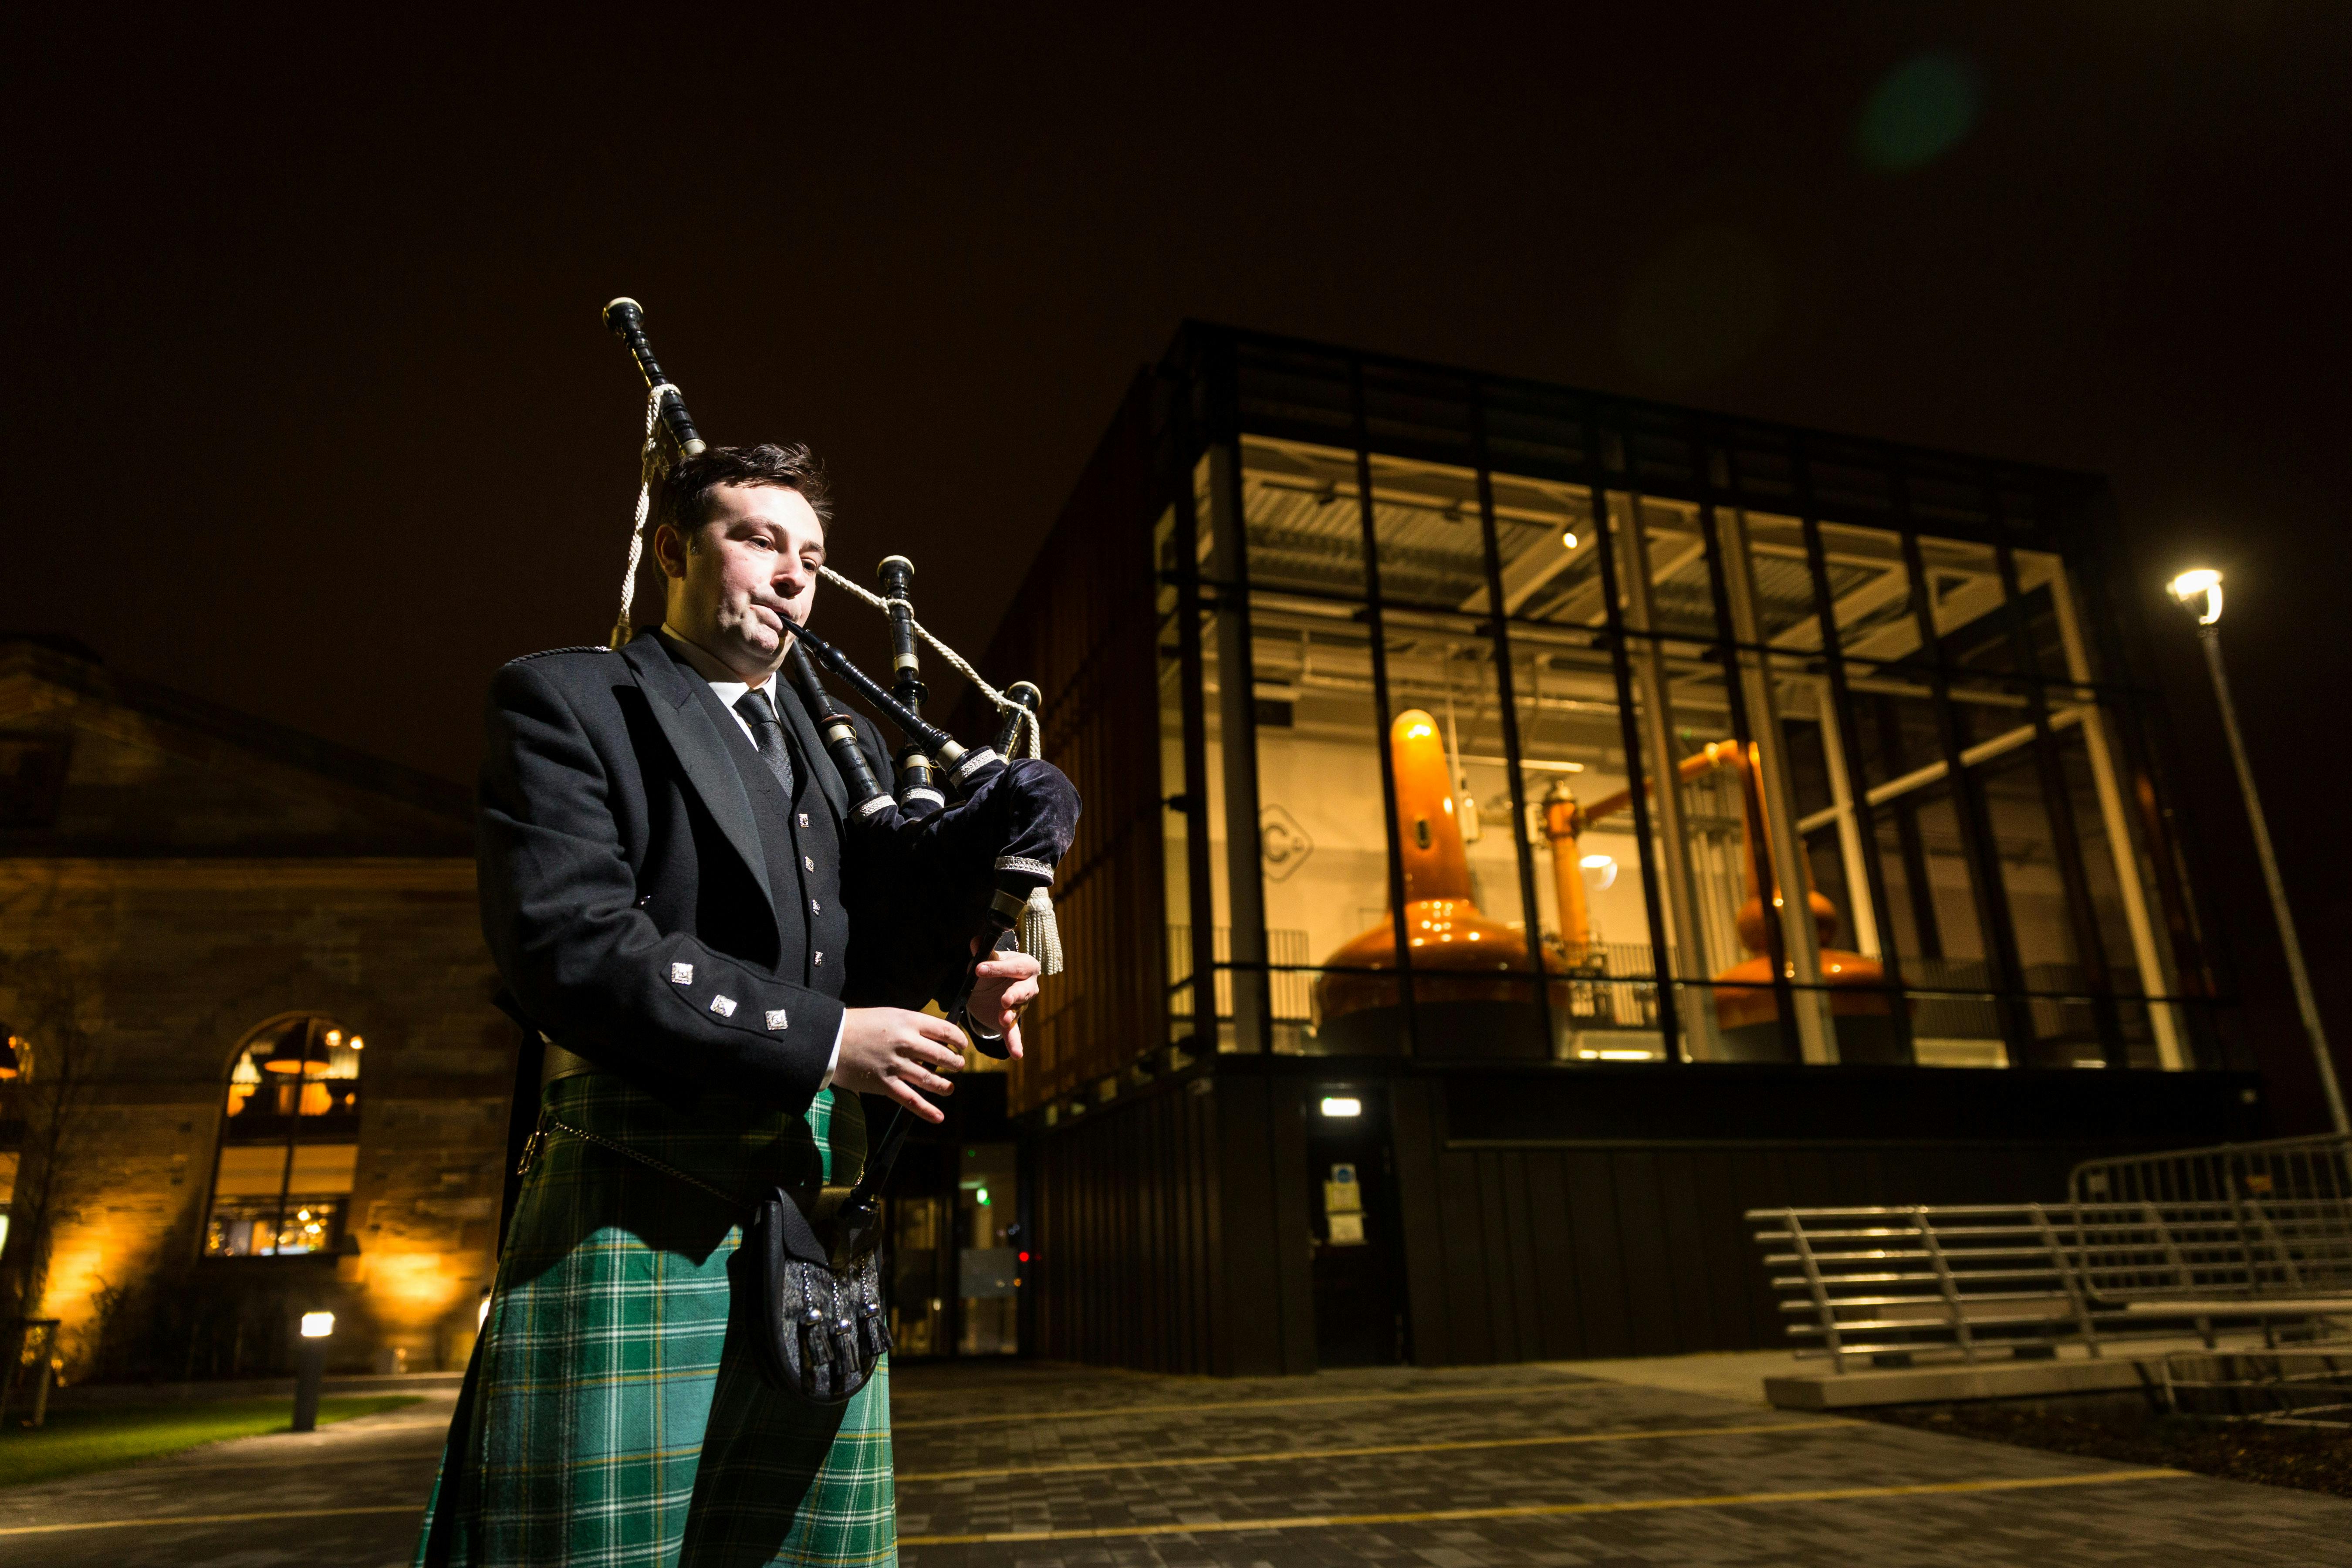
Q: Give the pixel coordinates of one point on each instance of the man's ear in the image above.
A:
(670, 551)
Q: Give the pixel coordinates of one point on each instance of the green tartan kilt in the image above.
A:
(609, 1417)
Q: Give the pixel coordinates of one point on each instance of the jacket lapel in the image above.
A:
(828, 777)
(670, 690)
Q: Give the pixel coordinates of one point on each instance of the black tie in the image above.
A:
(768, 735)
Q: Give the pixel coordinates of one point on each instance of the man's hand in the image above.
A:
(1007, 983)
(888, 1050)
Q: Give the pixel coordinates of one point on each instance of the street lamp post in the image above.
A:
(2200, 592)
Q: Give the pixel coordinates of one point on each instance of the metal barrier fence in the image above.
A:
(1886, 1283)
(2310, 1386)
(2241, 1225)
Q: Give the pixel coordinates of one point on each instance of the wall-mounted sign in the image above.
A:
(1282, 842)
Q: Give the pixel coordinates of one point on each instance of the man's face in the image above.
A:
(750, 578)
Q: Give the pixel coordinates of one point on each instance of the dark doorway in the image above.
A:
(1358, 1248)
(952, 1269)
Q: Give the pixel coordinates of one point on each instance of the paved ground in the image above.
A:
(348, 1495)
(1058, 1468)
(1045, 1467)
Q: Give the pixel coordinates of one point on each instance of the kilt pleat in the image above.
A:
(609, 1419)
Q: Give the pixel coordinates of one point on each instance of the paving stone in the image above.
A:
(1123, 1426)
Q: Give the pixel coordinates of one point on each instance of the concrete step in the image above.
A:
(1963, 1380)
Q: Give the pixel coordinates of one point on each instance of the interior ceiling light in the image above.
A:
(290, 1055)
(1568, 539)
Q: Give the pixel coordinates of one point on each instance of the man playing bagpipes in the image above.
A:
(682, 867)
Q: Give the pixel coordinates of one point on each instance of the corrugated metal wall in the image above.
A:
(1575, 1251)
(1171, 1225)
(1083, 627)
(1169, 1233)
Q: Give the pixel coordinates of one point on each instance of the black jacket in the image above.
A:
(632, 852)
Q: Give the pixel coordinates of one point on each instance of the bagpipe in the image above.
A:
(953, 866)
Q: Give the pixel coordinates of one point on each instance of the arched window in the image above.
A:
(290, 1145)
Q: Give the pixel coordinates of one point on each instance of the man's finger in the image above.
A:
(947, 1058)
(1012, 1041)
(942, 1031)
(929, 1082)
(904, 1093)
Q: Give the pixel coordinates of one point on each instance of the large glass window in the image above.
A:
(1580, 827)
(1322, 843)
(1463, 841)
(289, 1143)
(1497, 764)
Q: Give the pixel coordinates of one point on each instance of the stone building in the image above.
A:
(261, 1072)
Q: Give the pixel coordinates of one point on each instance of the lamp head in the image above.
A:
(2198, 591)
(317, 1325)
(291, 1054)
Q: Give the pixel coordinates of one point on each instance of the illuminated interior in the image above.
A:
(956, 1262)
(1810, 885)
(289, 1143)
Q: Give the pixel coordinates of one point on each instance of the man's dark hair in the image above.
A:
(684, 500)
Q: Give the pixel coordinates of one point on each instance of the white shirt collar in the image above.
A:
(722, 681)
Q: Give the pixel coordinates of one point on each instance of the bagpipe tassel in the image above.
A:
(1041, 937)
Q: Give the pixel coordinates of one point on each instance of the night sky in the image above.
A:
(311, 415)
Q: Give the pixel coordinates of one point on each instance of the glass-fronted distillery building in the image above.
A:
(1525, 828)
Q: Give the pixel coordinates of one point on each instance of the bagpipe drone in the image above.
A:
(953, 867)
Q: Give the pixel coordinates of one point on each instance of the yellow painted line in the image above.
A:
(416, 1508)
(1539, 1510)
(1616, 1435)
(1112, 1412)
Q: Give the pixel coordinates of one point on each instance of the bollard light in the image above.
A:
(310, 1368)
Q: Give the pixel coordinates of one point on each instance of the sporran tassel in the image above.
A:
(1041, 937)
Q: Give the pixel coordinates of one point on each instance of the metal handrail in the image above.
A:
(1978, 1279)
(2233, 1222)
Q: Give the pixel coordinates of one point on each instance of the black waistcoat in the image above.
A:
(801, 841)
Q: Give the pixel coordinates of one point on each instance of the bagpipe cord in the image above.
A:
(1031, 743)
(650, 467)
(1040, 933)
